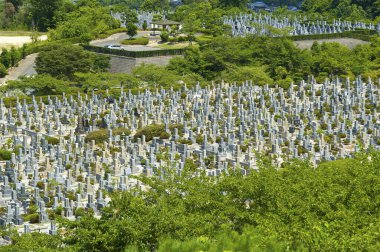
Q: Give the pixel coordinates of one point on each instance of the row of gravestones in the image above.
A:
(53, 165)
(258, 24)
(142, 17)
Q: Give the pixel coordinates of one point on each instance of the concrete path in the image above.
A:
(25, 67)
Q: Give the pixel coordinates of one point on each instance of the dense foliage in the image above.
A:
(333, 207)
(352, 9)
(269, 60)
(65, 60)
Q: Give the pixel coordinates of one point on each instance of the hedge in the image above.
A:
(136, 41)
(134, 54)
(5, 155)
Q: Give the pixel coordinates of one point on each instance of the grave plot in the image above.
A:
(60, 154)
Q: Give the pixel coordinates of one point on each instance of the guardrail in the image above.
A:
(134, 54)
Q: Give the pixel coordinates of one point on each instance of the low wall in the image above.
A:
(121, 64)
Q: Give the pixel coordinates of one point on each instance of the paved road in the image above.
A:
(25, 67)
(116, 39)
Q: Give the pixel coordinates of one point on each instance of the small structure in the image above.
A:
(165, 24)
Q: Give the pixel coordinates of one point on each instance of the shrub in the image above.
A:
(40, 185)
(52, 140)
(80, 212)
(164, 36)
(108, 33)
(342, 135)
(34, 218)
(120, 131)
(5, 155)
(150, 131)
(3, 71)
(173, 39)
(102, 135)
(164, 135)
(135, 41)
(182, 39)
(98, 135)
(145, 25)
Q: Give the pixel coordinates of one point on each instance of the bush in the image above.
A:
(136, 41)
(5, 155)
(145, 25)
(34, 218)
(80, 212)
(3, 71)
(173, 39)
(164, 36)
(182, 39)
(52, 140)
(150, 131)
(98, 135)
(120, 131)
(164, 135)
(102, 135)
(110, 32)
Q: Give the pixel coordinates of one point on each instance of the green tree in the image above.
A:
(63, 61)
(155, 5)
(3, 71)
(131, 30)
(43, 12)
(164, 36)
(191, 25)
(85, 23)
(233, 3)
(6, 58)
(40, 85)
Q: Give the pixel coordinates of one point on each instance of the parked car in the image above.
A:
(117, 47)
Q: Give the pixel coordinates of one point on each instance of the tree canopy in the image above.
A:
(298, 207)
(65, 60)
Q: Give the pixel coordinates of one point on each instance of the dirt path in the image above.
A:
(349, 42)
(17, 41)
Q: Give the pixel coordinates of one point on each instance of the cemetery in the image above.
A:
(126, 140)
(258, 24)
(60, 155)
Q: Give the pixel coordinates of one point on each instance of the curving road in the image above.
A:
(115, 39)
(25, 67)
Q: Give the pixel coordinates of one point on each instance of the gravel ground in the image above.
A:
(17, 41)
(349, 42)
